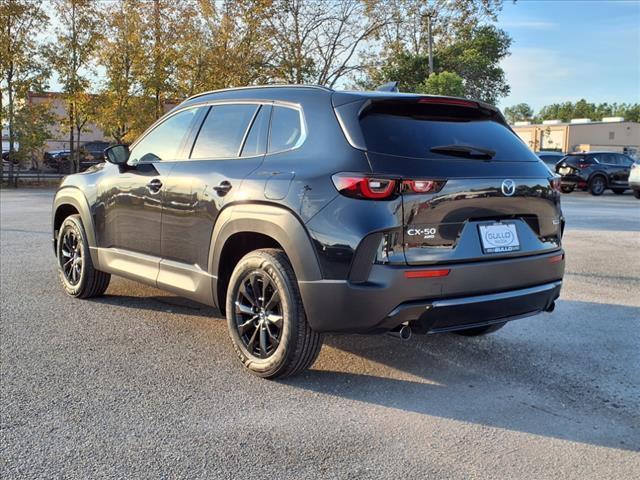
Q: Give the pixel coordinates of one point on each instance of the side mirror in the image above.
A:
(118, 154)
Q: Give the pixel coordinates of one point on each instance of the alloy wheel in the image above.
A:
(259, 318)
(71, 257)
(598, 185)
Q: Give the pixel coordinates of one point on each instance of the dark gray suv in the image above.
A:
(299, 210)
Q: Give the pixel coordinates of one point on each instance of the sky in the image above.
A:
(571, 49)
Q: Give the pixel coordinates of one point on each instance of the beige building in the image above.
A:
(581, 134)
(59, 137)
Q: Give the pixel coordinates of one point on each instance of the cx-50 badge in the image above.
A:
(508, 187)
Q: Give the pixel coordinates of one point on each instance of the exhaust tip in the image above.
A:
(403, 332)
(551, 307)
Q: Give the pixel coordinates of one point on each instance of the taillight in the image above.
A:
(556, 183)
(377, 188)
(365, 187)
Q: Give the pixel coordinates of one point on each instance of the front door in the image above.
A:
(129, 216)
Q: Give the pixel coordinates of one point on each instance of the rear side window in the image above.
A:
(286, 129)
(223, 130)
(411, 129)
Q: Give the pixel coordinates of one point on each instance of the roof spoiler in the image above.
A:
(388, 87)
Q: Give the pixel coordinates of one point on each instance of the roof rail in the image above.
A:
(249, 87)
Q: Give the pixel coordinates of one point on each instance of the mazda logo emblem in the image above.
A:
(508, 187)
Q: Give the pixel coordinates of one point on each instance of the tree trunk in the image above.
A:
(71, 136)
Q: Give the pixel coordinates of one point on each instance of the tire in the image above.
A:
(619, 191)
(636, 193)
(79, 278)
(477, 331)
(566, 189)
(597, 185)
(271, 339)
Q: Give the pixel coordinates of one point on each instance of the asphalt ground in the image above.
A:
(143, 384)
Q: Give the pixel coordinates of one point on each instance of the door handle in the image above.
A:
(223, 188)
(154, 185)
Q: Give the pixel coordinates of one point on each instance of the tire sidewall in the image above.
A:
(73, 223)
(253, 262)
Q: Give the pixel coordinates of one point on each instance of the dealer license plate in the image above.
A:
(499, 237)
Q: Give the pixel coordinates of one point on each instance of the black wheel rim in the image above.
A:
(71, 257)
(259, 318)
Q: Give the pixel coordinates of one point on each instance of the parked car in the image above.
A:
(634, 179)
(595, 172)
(91, 153)
(550, 158)
(299, 210)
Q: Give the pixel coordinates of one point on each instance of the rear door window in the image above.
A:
(286, 129)
(256, 142)
(411, 129)
(223, 131)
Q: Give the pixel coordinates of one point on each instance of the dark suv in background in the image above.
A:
(595, 172)
(298, 210)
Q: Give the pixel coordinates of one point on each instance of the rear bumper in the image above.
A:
(467, 312)
(472, 294)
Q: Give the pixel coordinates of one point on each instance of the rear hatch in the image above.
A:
(471, 188)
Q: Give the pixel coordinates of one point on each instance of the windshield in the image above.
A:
(420, 131)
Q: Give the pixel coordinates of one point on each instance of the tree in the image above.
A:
(160, 25)
(123, 112)
(473, 50)
(20, 67)
(318, 42)
(444, 83)
(87, 107)
(32, 123)
(475, 55)
(76, 39)
(222, 44)
(518, 113)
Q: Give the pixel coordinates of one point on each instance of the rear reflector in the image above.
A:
(556, 258)
(426, 273)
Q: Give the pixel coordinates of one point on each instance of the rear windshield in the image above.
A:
(412, 130)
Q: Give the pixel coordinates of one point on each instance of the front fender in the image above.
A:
(74, 197)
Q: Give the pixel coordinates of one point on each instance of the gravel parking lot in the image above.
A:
(141, 383)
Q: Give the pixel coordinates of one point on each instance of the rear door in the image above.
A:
(486, 183)
(230, 144)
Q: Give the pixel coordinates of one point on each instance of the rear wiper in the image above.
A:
(466, 151)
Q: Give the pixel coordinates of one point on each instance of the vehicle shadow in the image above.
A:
(503, 380)
(499, 381)
(160, 303)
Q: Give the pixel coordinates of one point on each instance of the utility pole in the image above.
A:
(430, 43)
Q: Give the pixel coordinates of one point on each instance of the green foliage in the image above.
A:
(21, 69)
(474, 56)
(444, 83)
(582, 109)
(31, 124)
(518, 113)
